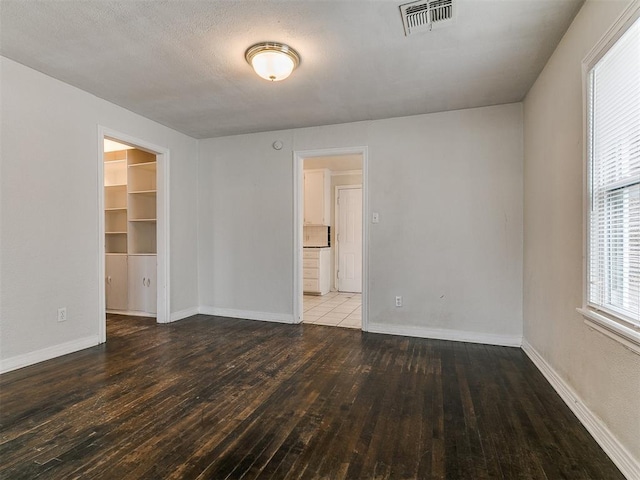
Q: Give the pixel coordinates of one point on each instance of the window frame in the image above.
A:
(608, 322)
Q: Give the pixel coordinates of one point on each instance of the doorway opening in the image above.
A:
(133, 229)
(331, 239)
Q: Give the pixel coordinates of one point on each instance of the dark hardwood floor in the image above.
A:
(217, 398)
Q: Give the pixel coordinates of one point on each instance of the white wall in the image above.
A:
(245, 224)
(605, 376)
(448, 188)
(49, 216)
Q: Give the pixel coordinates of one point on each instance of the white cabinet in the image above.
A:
(116, 284)
(317, 197)
(316, 270)
(142, 283)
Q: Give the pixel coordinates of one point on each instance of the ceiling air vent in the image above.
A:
(423, 16)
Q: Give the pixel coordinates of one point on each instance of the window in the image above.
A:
(613, 156)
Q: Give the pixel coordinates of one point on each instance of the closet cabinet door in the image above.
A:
(317, 197)
(116, 284)
(151, 298)
(142, 283)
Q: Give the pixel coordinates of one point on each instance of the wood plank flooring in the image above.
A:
(216, 398)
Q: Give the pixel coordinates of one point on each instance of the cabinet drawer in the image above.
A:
(310, 273)
(311, 285)
(310, 263)
(310, 253)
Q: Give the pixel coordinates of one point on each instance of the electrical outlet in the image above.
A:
(398, 301)
(62, 314)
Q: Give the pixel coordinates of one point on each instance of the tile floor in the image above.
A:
(335, 308)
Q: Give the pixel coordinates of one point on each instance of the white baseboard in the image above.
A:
(187, 312)
(628, 465)
(444, 334)
(31, 358)
(132, 313)
(247, 314)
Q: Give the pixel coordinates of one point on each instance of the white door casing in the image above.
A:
(349, 239)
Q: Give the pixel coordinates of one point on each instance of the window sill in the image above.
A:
(628, 337)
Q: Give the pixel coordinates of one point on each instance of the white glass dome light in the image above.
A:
(272, 61)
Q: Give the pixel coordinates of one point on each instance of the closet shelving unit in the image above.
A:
(130, 231)
(142, 203)
(115, 202)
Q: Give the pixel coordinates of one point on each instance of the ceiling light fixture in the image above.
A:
(272, 61)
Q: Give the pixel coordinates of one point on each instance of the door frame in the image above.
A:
(298, 223)
(336, 207)
(162, 225)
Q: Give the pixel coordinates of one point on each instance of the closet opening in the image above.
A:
(133, 231)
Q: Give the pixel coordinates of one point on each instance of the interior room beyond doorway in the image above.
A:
(333, 240)
(338, 309)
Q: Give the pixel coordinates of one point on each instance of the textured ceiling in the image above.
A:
(182, 64)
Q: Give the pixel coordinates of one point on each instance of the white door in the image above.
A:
(349, 239)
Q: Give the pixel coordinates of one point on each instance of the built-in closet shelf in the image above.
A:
(140, 192)
(115, 233)
(115, 243)
(142, 235)
(115, 196)
(151, 165)
(115, 173)
(115, 209)
(142, 219)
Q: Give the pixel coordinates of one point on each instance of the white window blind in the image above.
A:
(614, 179)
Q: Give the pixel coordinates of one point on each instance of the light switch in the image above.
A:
(375, 218)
